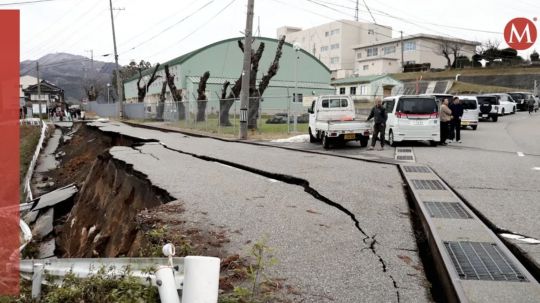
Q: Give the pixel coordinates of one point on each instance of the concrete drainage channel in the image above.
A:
(470, 261)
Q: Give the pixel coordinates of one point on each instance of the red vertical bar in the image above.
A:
(9, 152)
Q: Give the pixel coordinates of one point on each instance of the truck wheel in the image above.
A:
(364, 141)
(494, 118)
(312, 139)
(325, 142)
(474, 127)
(433, 143)
(391, 139)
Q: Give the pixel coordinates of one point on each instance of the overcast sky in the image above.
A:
(160, 30)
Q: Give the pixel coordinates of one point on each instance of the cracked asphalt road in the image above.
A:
(320, 250)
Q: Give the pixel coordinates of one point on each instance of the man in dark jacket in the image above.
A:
(455, 124)
(379, 115)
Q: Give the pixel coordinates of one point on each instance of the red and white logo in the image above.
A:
(520, 33)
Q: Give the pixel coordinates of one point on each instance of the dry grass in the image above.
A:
(470, 88)
(447, 74)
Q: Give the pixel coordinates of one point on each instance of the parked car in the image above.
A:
(332, 120)
(507, 104)
(489, 107)
(440, 98)
(521, 99)
(471, 111)
(412, 118)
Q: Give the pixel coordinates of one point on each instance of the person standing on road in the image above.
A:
(446, 117)
(530, 104)
(455, 125)
(379, 115)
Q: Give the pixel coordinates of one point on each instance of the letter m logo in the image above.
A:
(520, 33)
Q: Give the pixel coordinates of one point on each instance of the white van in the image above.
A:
(412, 118)
(471, 111)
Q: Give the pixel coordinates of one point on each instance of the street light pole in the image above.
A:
(296, 49)
(117, 71)
(108, 92)
(244, 94)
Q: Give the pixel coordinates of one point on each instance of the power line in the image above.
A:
(367, 7)
(195, 30)
(169, 27)
(25, 2)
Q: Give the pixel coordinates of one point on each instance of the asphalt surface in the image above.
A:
(310, 227)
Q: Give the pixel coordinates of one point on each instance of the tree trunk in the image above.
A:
(176, 94)
(161, 104)
(202, 100)
(254, 103)
(141, 91)
(224, 106)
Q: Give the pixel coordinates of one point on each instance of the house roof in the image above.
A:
(45, 85)
(418, 36)
(360, 79)
(185, 57)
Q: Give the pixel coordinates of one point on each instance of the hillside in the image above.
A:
(69, 72)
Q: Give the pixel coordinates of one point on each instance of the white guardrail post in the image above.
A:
(37, 279)
(201, 280)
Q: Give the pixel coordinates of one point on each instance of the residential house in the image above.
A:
(49, 96)
(385, 56)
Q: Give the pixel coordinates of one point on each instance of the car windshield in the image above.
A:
(417, 106)
(517, 96)
(468, 103)
(488, 99)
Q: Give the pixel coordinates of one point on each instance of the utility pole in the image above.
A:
(402, 62)
(244, 94)
(39, 91)
(117, 71)
(356, 12)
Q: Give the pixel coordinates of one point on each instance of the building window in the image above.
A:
(372, 51)
(342, 90)
(365, 67)
(409, 46)
(352, 90)
(334, 46)
(326, 34)
(389, 50)
(334, 60)
(363, 90)
(371, 32)
(324, 48)
(334, 32)
(358, 55)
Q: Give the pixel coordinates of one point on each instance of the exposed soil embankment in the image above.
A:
(102, 222)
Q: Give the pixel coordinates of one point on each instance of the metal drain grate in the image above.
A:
(451, 210)
(482, 261)
(405, 158)
(404, 150)
(416, 169)
(428, 184)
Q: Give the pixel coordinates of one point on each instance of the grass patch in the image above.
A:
(471, 88)
(447, 74)
(28, 140)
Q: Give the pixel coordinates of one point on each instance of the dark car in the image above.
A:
(489, 107)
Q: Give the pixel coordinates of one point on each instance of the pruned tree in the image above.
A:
(202, 100)
(175, 93)
(142, 90)
(255, 93)
(128, 71)
(263, 85)
(161, 103)
(91, 93)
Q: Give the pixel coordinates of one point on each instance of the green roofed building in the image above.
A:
(223, 60)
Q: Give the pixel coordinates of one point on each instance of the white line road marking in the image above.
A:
(520, 154)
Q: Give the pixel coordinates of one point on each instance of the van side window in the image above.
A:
(344, 103)
(325, 103)
(389, 105)
(334, 103)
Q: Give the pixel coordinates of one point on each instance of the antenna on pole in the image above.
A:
(356, 12)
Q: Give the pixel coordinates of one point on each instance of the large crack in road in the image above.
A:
(368, 240)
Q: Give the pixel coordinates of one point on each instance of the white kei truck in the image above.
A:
(332, 120)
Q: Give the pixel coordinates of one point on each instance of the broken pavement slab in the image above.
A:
(56, 196)
(44, 224)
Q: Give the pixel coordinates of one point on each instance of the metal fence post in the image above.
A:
(166, 285)
(201, 280)
(37, 279)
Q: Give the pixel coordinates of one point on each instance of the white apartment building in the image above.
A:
(384, 57)
(332, 43)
